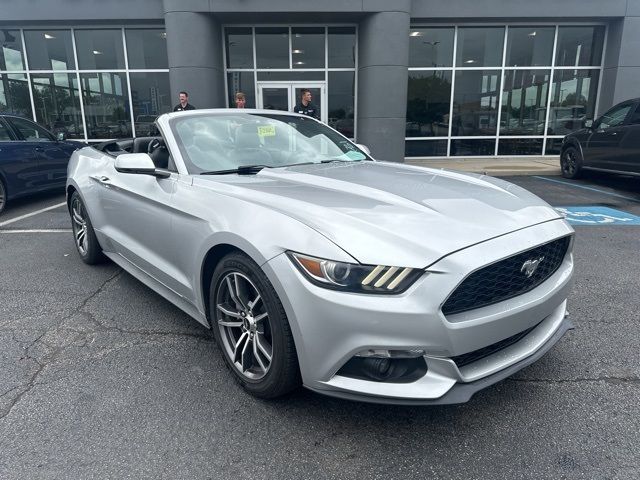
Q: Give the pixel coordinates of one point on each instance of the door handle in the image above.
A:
(101, 178)
(39, 149)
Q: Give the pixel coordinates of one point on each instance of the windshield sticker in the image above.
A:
(267, 131)
(353, 155)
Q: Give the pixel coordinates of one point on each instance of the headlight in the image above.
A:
(352, 277)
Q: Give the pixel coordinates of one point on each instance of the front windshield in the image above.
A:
(214, 142)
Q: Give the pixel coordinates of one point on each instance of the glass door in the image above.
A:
(285, 95)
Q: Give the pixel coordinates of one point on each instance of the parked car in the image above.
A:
(315, 264)
(610, 144)
(32, 159)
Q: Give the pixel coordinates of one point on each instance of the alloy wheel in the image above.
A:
(79, 222)
(569, 164)
(244, 326)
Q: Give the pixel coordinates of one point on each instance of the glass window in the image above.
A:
(520, 146)
(341, 102)
(100, 49)
(580, 46)
(307, 47)
(57, 103)
(342, 47)
(634, 119)
(530, 46)
(11, 53)
(242, 82)
(475, 102)
(614, 117)
(431, 47)
(5, 134)
(428, 101)
(239, 47)
(14, 94)
(290, 76)
(147, 48)
(524, 102)
(106, 105)
(49, 49)
(480, 46)
(272, 47)
(30, 131)
(573, 99)
(472, 148)
(425, 148)
(553, 146)
(150, 96)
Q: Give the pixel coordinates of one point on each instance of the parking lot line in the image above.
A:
(40, 230)
(22, 217)
(585, 188)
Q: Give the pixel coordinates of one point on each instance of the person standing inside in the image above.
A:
(305, 106)
(240, 100)
(184, 103)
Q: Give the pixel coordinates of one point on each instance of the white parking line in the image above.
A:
(22, 217)
(41, 230)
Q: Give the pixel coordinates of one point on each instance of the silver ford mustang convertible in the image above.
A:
(316, 265)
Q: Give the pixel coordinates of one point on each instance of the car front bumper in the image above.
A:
(331, 327)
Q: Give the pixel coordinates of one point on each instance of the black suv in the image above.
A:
(610, 144)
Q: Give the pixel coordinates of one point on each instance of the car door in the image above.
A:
(51, 157)
(137, 216)
(603, 146)
(18, 161)
(629, 159)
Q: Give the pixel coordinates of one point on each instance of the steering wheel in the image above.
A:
(153, 144)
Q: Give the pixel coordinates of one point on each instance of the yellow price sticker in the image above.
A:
(267, 131)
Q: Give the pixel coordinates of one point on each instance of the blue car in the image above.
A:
(32, 159)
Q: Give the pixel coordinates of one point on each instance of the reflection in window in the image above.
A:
(431, 47)
(341, 102)
(11, 52)
(530, 46)
(580, 46)
(472, 148)
(57, 103)
(307, 47)
(524, 102)
(49, 49)
(475, 102)
(100, 49)
(241, 82)
(428, 101)
(150, 96)
(613, 117)
(425, 148)
(147, 48)
(14, 94)
(342, 47)
(239, 47)
(480, 46)
(106, 105)
(573, 99)
(30, 131)
(520, 146)
(272, 47)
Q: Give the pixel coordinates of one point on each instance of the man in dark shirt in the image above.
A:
(184, 103)
(305, 106)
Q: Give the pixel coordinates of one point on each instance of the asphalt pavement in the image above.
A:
(102, 378)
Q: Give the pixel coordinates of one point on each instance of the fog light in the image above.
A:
(385, 369)
(378, 353)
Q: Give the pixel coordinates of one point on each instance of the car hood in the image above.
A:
(388, 213)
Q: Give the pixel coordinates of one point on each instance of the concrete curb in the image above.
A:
(494, 166)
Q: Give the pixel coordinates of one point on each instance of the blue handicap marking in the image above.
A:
(585, 215)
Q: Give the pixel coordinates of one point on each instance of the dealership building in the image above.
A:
(421, 78)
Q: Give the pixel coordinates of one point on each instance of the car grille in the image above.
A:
(467, 358)
(507, 278)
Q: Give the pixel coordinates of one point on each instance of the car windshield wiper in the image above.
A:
(241, 170)
(341, 160)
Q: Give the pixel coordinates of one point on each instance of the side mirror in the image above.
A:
(364, 148)
(587, 123)
(139, 163)
(61, 137)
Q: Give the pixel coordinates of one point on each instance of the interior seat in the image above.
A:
(158, 152)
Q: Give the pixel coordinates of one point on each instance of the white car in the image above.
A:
(316, 265)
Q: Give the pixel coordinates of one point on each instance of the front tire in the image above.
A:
(251, 328)
(571, 162)
(83, 234)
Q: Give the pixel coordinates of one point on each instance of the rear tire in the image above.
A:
(3, 196)
(83, 234)
(571, 162)
(251, 328)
